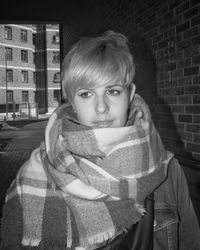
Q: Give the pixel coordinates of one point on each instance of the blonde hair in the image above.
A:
(97, 61)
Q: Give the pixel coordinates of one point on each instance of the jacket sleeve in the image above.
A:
(189, 231)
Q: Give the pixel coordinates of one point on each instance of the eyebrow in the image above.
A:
(109, 87)
(115, 85)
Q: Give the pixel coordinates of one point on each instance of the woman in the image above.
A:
(90, 184)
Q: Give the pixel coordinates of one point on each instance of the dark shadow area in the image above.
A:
(145, 80)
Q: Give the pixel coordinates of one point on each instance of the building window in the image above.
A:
(24, 76)
(34, 77)
(56, 38)
(10, 96)
(9, 75)
(8, 33)
(34, 57)
(24, 56)
(35, 96)
(56, 57)
(24, 36)
(34, 39)
(9, 56)
(56, 77)
(25, 96)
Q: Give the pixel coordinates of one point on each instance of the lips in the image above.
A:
(103, 124)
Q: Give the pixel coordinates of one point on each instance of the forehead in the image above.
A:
(101, 79)
(106, 85)
(96, 74)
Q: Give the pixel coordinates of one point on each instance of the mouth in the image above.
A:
(103, 124)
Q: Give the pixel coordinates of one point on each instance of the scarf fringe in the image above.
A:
(93, 240)
(31, 242)
(38, 243)
(141, 209)
(43, 245)
(102, 237)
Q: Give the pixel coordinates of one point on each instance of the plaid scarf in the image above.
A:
(124, 164)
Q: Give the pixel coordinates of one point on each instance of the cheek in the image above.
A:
(123, 107)
(122, 111)
(80, 111)
(83, 114)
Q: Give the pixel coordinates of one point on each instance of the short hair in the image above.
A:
(97, 61)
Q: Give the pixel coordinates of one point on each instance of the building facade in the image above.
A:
(29, 67)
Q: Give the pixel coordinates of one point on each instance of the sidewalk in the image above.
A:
(21, 143)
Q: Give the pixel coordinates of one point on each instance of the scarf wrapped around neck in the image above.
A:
(124, 164)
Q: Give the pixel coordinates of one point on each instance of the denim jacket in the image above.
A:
(175, 222)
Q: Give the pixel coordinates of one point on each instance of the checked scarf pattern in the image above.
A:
(127, 162)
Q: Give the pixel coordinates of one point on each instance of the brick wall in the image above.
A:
(169, 31)
(164, 37)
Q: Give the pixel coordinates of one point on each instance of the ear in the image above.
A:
(132, 91)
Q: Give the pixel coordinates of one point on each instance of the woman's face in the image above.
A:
(103, 106)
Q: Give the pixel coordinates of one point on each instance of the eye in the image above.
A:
(113, 92)
(85, 94)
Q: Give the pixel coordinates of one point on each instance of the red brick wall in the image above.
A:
(164, 37)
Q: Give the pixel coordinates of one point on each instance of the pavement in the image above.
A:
(17, 145)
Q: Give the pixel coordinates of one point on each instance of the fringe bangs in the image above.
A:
(98, 71)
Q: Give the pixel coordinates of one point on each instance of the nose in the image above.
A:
(102, 105)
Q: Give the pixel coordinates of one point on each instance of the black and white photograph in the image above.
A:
(100, 125)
